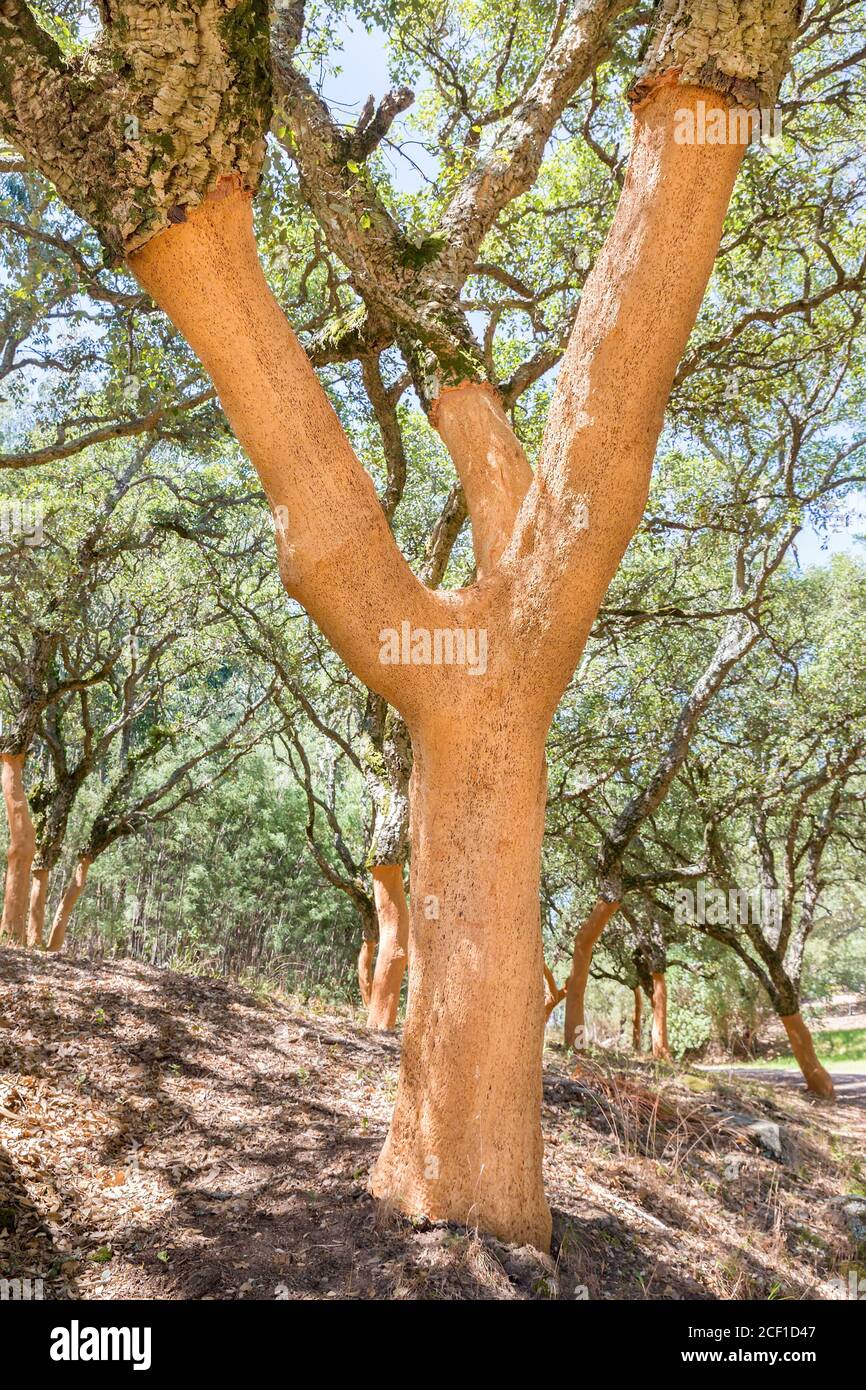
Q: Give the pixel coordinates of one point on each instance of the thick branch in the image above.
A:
(336, 552)
(490, 462)
(510, 166)
(638, 307)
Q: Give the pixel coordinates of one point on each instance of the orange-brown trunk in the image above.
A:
(553, 992)
(817, 1078)
(22, 847)
(584, 945)
(392, 911)
(73, 892)
(366, 962)
(637, 1016)
(465, 1142)
(661, 1050)
(38, 899)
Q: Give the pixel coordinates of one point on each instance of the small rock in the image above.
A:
(849, 1212)
(766, 1135)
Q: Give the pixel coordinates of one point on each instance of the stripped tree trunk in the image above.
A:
(392, 911)
(465, 1138)
(480, 1061)
(584, 944)
(386, 754)
(38, 899)
(818, 1079)
(73, 891)
(22, 847)
(366, 966)
(661, 1050)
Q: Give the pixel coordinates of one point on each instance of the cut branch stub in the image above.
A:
(172, 97)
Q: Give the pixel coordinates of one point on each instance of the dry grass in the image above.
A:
(168, 1137)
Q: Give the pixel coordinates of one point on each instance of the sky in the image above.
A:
(365, 73)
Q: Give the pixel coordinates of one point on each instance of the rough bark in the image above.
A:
(584, 944)
(817, 1078)
(740, 49)
(22, 847)
(637, 1018)
(172, 96)
(661, 1050)
(411, 285)
(66, 906)
(392, 911)
(511, 165)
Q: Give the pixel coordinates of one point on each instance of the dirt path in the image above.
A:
(163, 1136)
(850, 1086)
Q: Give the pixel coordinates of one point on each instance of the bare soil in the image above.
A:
(170, 1137)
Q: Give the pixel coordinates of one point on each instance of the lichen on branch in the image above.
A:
(171, 97)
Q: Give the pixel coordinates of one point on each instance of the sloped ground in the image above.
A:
(163, 1136)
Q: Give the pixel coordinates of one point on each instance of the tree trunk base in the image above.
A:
(818, 1080)
(465, 1142)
